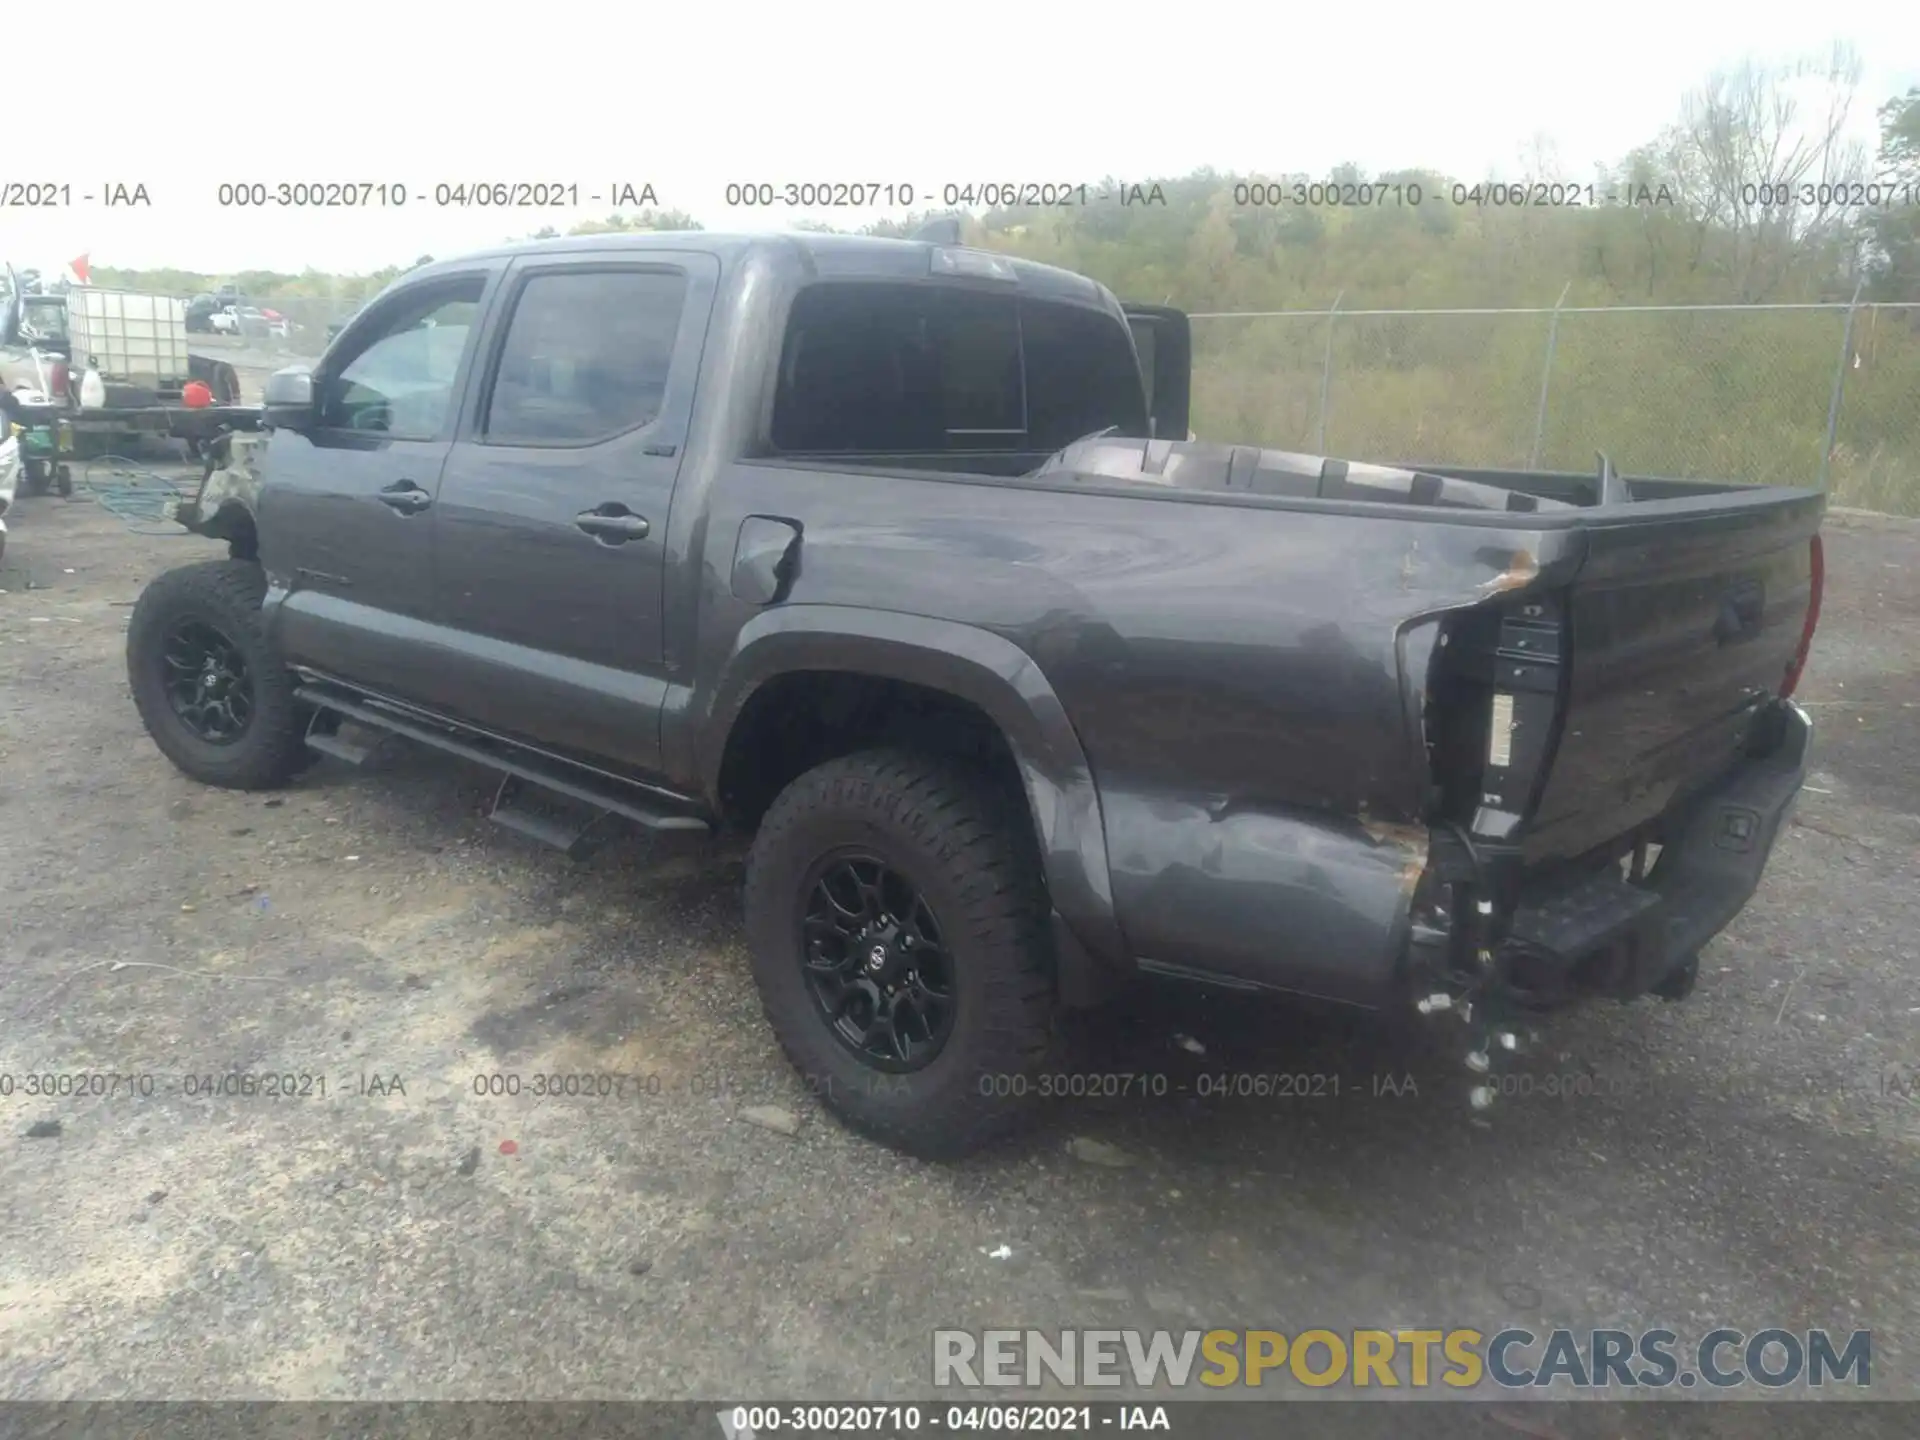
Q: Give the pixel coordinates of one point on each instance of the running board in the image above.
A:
(322, 736)
(604, 794)
(566, 833)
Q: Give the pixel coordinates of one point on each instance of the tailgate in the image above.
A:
(1683, 620)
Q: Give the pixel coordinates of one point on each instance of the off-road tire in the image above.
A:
(225, 595)
(969, 851)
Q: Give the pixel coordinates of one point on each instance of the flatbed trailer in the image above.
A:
(192, 423)
(116, 365)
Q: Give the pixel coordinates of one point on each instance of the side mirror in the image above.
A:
(289, 400)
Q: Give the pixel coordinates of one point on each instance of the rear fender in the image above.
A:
(972, 665)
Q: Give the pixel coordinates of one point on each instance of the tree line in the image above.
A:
(1754, 194)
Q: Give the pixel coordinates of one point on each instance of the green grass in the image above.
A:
(1702, 395)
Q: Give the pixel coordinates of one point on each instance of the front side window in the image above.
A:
(400, 382)
(587, 356)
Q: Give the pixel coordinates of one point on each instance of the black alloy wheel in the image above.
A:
(898, 929)
(208, 683)
(876, 962)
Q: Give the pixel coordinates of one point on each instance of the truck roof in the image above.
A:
(840, 257)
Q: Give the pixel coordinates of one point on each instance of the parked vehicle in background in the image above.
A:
(199, 315)
(42, 445)
(251, 322)
(35, 345)
(115, 363)
(39, 326)
(9, 478)
(866, 547)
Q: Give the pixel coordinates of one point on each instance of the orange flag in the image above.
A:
(79, 268)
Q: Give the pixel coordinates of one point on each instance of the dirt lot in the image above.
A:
(1740, 1159)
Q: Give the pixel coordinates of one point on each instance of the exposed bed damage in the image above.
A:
(1577, 702)
(1503, 920)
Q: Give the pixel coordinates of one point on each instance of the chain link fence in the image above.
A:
(1827, 394)
(310, 319)
(1824, 394)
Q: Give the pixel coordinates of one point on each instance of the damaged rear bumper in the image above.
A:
(1603, 934)
(1380, 915)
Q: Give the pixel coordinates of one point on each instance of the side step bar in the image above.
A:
(547, 824)
(322, 735)
(602, 794)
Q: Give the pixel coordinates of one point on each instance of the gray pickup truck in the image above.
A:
(872, 549)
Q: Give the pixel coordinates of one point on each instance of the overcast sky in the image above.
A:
(918, 92)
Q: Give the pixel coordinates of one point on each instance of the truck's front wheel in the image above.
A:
(899, 944)
(207, 681)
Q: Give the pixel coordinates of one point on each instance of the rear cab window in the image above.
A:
(924, 369)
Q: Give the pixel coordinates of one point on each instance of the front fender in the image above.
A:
(229, 497)
(970, 664)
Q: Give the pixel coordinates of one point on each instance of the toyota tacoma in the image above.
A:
(899, 557)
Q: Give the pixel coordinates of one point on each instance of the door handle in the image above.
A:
(406, 497)
(613, 524)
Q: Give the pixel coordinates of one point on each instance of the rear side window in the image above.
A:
(586, 356)
(893, 369)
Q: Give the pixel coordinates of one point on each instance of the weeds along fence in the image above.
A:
(1825, 394)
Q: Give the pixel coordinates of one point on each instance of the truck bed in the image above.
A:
(1575, 661)
(1199, 467)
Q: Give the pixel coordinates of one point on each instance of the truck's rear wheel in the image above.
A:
(207, 682)
(898, 939)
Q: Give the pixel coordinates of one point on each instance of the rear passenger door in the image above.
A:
(552, 512)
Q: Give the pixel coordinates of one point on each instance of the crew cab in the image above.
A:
(897, 555)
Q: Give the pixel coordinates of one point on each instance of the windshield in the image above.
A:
(43, 318)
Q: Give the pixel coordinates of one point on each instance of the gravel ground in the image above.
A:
(1741, 1159)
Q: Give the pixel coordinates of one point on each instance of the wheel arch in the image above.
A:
(980, 670)
(233, 521)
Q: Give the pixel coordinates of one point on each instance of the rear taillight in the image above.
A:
(59, 380)
(1817, 581)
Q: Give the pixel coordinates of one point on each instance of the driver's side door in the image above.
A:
(346, 517)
